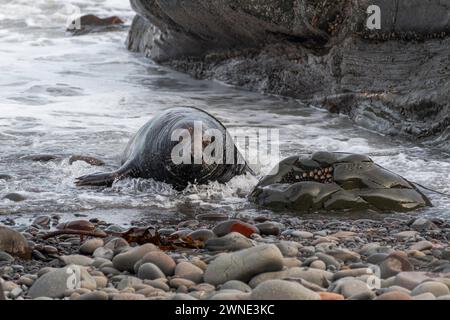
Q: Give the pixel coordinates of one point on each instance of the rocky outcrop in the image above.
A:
(394, 80)
(335, 182)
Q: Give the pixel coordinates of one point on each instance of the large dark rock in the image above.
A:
(394, 80)
(336, 181)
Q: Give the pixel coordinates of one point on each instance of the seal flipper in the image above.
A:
(102, 178)
(97, 179)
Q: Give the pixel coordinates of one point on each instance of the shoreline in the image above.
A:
(297, 258)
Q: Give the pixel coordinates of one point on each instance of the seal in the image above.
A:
(151, 153)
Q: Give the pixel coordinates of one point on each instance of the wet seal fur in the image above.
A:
(336, 181)
(149, 154)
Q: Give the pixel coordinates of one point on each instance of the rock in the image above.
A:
(126, 261)
(89, 246)
(422, 224)
(5, 177)
(42, 221)
(331, 296)
(282, 290)
(231, 242)
(128, 296)
(202, 235)
(344, 255)
(178, 282)
(243, 265)
(291, 262)
(127, 282)
(352, 273)
(318, 277)
(236, 285)
(318, 264)
(16, 197)
(436, 288)
(149, 271)
(410, 280)
(77, 259)
(54, 284)
(302, 234)
(230, 296)
(96, 295)
(5, 257)
(288, 248)
(269, 228)
(329, 260)
(394, 295)
(395, 263)
(350, 287)
(117, 245)
(14, 243)
(406, 235)
(50, 250)
(187, 270)
(424, 296)
(82, 225)
(422, 246)
(229, 226)
(104, 253)
(92, 24)
(163, 261)
(89, 160)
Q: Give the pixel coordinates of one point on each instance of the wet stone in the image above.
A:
(16, 197)
(231, 242)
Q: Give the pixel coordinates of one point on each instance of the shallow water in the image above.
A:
(63, 95)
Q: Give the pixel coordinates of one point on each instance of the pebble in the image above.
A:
(14, 243)
(239, 226)
(301, 234)
(187, 270)
(178, 282)
(104, 253)
(126, 261)
(422, 224)
(89, 246)
(345, 255)
(231, 242)
(282, 290)
(5, 257)
(422, 246)
(350, 287)
(394, 295)
(202, 235)
(318, 264)
(329, 260)
(436, 288)
(149, 271)
(42, 221)
(288, 248)
(352, 273)
(424, 296)
(410, 280)
(53, 284)
(318, 277)
(395, 263)
(331, 296)
(117, 245)
(243, 265)
(15, 197)
(77, 259)
(236, 285)
(96, 295)
(128, 296)
(163, 261)
(406, 235)
(269, 228)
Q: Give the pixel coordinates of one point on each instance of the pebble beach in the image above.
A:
(216, 258)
